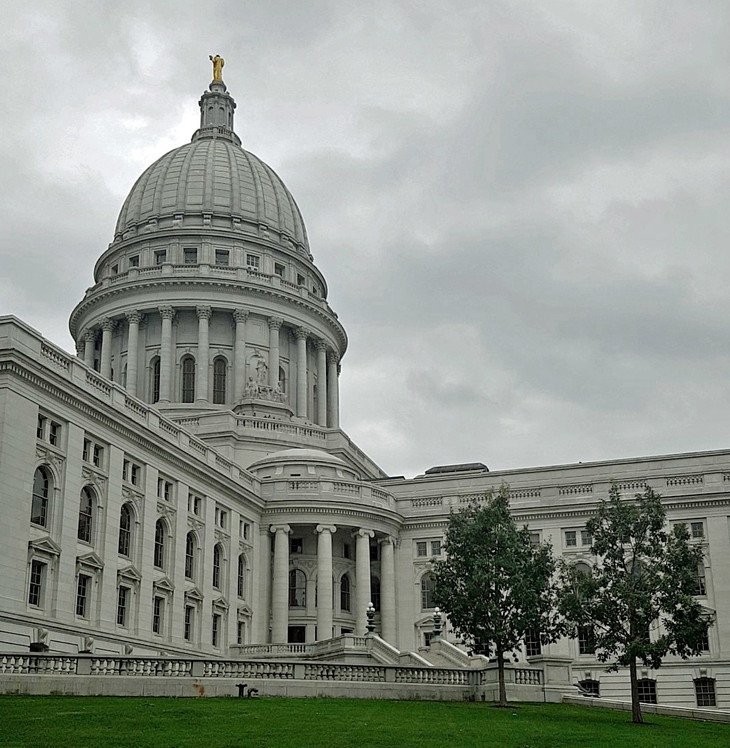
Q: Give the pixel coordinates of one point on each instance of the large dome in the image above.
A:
(213, 177)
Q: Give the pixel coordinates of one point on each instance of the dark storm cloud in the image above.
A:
(520, 208)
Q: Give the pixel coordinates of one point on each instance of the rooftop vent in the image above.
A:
(464, 467)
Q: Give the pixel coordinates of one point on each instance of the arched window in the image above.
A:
(241, 576)
(297, 589)
(159, 555)
(427, 591)
(125, 530)
(345, 595)
(41, 492)
(190, 556)
(86, 515)
(188, 379)
(375, 592)
(220, 370)
(583, 568)
(217, 563)
(155, 384)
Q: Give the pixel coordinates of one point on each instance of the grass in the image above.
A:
(82, 721)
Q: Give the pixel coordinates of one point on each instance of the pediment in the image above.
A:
(221, 603)
(90, 560)
(163, 584)
(45, 545)
(130, 573)
(194, 594)
(245, 610)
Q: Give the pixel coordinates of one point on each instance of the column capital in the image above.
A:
(389, 540)
(89, 335)
(275, 323)
(333, 359)
(80, 347)
(325, 528)
(280, 528)
(166, 312)
(302, 333)
(321, 345)
(240, 315)
(363, 533)
(134, 316)
(108, 324)
(203, 312)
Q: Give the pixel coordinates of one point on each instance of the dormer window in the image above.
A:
(253, 261)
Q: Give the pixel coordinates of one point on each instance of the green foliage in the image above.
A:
(640, 574)
(494, 584)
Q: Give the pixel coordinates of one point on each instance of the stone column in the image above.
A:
(89, 345)
(302, 334)
(333, 393)
(203, 359)
(280, 585)
(263, 609)
(275, 324)
(133, 319)
(239, 368)
(362, 579)
(387, 590)
(167, 313)
(107, 325)
(322, 383)
(324, 581)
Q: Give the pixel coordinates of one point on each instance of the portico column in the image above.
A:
(133, 319)
(333, 392)
(89, 345)
(280, 585)
(387, 590)
(203, 358)
(239, 369)
(275, 324)
(362, 579)
(107, 326)
(167, 313)
(322, 383)
(302, 372)
(263, 609)
(324, 581)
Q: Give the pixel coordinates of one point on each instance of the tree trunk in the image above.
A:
(635, 705)
(500, 672)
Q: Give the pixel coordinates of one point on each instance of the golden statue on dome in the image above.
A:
(218, 63)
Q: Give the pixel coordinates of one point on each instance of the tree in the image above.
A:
(495, 585)
(640, 574)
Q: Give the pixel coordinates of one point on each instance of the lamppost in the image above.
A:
(370, 612)
(436, 624)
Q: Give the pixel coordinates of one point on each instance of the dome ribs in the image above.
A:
(234, 173)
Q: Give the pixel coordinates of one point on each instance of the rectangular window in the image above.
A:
(216, 632)
(704, 643)
(534, 539)
(221, 518)
(697, 530)
(115, 269)
(427, 637)
(189, 621)
(296, 545)
(301, 280)
(647, 690)
(315, 291)
(435, 547)
(700, 586)
(421, 548)
(279, 269)
(54, 434)
(160, 256)
(122, 606)
(586, 538)
(97, 458)
(41, 428)
(158, 609)
(134, 261)
(373, 552)
(195, 504)
(190, 255)
(705, 692)
(532, 643)
(241, 632)
(586, 640)
(253, 261)
(222, 257)
(82, 595)
(346, 550)
(164, 489)
(35, 588)
(244, 529)
(87, 451)
(571, 539)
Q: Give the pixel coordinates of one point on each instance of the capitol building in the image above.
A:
(182, 485)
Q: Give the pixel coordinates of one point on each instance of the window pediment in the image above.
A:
(194, 595)
(129, 573)
(44, 545)
(89, 561)
(163, 585)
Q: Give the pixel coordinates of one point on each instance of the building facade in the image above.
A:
(182, 484)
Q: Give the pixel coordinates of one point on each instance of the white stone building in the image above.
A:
(183, 486)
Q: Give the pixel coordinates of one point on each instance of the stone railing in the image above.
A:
(281, 427)
(135, 666)
(326, 671)
(24, 664)
(262, 650)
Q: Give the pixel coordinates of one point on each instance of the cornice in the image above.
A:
(126, 427)
(287, 510)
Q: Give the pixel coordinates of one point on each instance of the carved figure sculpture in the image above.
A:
(218, 63)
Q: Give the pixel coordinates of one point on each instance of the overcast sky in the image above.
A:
(521, 208)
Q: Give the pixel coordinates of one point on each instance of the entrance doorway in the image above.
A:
(297, 634)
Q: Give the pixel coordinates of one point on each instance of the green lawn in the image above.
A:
(81, 721)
